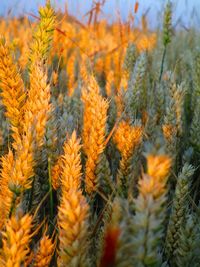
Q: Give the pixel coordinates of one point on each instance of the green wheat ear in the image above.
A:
(130, 58)
(167, 33)
(134, 94)
(43, 36)
(188, 250)
(179, 211)
(167, 24)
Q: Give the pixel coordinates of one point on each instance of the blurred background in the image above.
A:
(186, 12)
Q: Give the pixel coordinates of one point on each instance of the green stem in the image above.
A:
(162, 63)
(50, 188)
(31, 194)
(12, 208)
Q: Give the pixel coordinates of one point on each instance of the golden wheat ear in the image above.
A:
(127, 137)
(12, 86)
(16, 240)
(73, 226)
(94, 132)
(45, 251)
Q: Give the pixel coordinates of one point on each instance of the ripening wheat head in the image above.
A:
(45, 252)
(13, 94)
(56, 173)
(71, 162)
(169, 131)
(154, 182)
(16, 238)
(6, 195)
(22, 168)
(73, 215)
(94, 131)
(127, 138)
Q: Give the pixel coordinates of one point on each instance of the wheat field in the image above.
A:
(100, 142)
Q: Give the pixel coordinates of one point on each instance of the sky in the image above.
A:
(188, 11)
